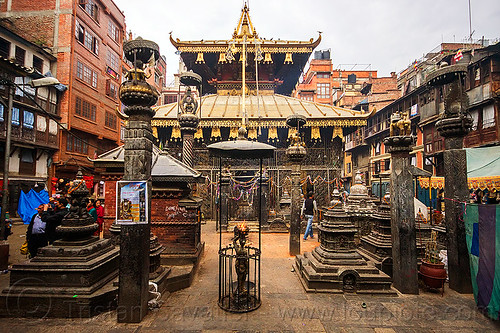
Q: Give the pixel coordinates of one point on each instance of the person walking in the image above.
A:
(35, 235)
(309, 209)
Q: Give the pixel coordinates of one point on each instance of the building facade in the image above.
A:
(424, 104)
(86, 37)
(35, 125)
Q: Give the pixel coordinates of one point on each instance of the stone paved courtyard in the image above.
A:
(285, 305)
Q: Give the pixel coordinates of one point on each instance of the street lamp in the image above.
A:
(37, 83)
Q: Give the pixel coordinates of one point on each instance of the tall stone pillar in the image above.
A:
(138, 96)
(453, 126)
(188, 120)
(404, 247)
(224, 194)
(264, 209)
(295, 153)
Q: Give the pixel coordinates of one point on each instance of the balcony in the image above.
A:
(33, 136)
(479, 94)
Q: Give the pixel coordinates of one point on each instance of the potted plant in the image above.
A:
(432, 269)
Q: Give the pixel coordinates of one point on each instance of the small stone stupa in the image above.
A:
(360, 207)
(73, 277)
(335, 266)
(377, 246)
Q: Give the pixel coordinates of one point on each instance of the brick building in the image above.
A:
(425, 103)
(86, 38)
(35, 113)
(323, 84)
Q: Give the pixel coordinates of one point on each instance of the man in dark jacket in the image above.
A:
(54, 217)
(309, 209)
(35, 235)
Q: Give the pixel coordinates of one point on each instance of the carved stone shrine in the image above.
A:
(360, 207)
(335, 266)
(377, 246)
(73, 277)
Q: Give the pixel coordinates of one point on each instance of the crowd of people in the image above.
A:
(42, 228)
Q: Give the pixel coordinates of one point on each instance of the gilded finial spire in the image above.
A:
(245, 26)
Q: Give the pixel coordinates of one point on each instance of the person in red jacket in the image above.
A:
(100, 214)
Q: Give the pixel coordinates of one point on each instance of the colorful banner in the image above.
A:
(483, 183)
(482, 225)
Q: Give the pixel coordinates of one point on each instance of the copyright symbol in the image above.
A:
(24, 299)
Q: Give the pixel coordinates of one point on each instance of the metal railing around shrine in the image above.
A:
(234, 297)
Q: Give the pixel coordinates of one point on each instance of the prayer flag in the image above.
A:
(458, 56)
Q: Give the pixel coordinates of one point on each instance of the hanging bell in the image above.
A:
(199, 58)
(288, 58)
(222, 58)
(267, 58)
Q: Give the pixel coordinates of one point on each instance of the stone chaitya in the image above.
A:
(360, 207)
(377, 246)
(335, 266)
(73, 277)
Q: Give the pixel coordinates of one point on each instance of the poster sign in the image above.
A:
(414, 110)
(131, 199)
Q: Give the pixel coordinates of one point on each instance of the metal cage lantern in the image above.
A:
(239, 263)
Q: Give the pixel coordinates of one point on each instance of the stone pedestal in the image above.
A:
(73, 277)
(335, 266)
(404, 250)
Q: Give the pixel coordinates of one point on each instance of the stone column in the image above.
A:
(453, 126)
(224, 204)
(188, 120)
(294, 247)
(404, 247)
(264, 209)
(138, 96)
(295, 153)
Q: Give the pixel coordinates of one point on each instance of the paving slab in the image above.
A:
(286, 307)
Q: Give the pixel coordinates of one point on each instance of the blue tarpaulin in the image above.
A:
(29, 202)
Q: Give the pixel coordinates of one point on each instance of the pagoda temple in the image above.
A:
(247, 81)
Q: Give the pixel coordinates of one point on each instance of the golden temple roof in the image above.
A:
(226, 111)
(246, 31)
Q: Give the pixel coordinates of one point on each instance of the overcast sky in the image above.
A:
(386, 34)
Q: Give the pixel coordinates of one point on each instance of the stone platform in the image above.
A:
(320, 271)
(66, 279)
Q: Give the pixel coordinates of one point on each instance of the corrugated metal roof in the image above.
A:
(165, 167)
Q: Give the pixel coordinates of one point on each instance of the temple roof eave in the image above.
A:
(271, 46)
(225, 111)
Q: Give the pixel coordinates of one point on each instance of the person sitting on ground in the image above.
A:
(35, 235)
(54, 217)
(309, 209)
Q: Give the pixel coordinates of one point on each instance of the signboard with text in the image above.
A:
(131, 202)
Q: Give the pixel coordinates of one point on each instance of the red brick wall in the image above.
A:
(176, 227)
(109, 204)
